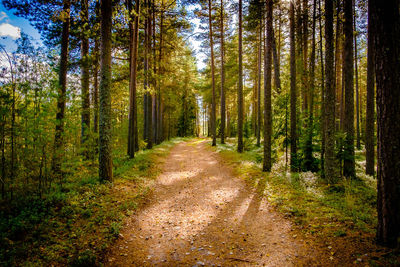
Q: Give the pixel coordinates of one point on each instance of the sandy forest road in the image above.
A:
(200, 214)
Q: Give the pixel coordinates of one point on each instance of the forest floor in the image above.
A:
(201, 214)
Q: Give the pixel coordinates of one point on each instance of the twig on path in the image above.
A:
(238, 259)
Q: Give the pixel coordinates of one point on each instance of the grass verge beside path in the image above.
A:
(74, 225)
(341, 218)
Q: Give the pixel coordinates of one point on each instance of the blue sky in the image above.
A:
(11, 25)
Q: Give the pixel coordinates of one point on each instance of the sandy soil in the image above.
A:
(199, 214)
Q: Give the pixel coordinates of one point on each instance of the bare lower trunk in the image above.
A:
(213, 104)
(293, 93)
(134, 37)
(348, 70)
(240, 87)
(267, 91)
(330, 162)
(385, 22)
(222, 76)
(105, 133)
(370, 112)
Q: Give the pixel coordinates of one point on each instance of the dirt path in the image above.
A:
(200, 214)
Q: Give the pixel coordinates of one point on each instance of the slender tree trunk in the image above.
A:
(308, 147)
(62, 87)
(305, 58)
(222, 76)
(322, 120)
(358, 142)
(370, 112)
(96, 87)
(213, 107)
(386, 31)
(133, 51)
(338, 67)
(147, 96)
(293, 93)
(330, 162)
(85, 74)
(348, 70)
(259, 118)
(154, 79)
(161, 72)
(105, 133)
(277, 78)
(240, 87)
(267, 91)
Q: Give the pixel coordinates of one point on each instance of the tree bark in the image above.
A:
(330, 162)
(240, 86)
(309, 142)
(105, 133)
(386, 31)
(358, 138)
(293, 93)
(348, 70)
(370, 112)
(267, 90)
(305, 58)
(62, 87)
(96, 87)
(259, 118)
(338, 68)
(147, 103)
(277, 74)
(133, 51)
(322, 119)
(222, 76)
(213, 104)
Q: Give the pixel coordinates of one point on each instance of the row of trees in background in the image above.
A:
(326, 54)
(76, 98)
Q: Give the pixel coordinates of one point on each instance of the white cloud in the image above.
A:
(9, 30)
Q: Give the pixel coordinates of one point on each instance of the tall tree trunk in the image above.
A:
(62, 87)
(161, 72)
(147, 96)
(240, 87)
(213, 107)
(338, 67)
(267, 91)
(133, 51)
(96, 87)
(222, 76)
(305, 58)
(330, 162)
(85, 128)
(259, 119)
(105, 133)
(358, 138)
(370, 112)
(386, 31)
(277, 78)
(348, 70)
(322, 119)
(154, 78)
(293, 93)
(308, 147)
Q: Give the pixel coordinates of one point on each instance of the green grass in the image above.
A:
(321, 209)
(75, 224)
